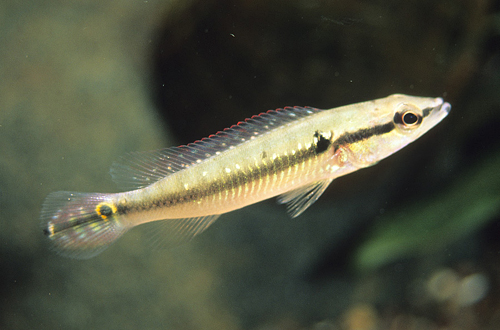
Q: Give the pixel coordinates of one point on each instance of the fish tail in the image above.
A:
(81, 225)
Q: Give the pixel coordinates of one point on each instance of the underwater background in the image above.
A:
(411, 243)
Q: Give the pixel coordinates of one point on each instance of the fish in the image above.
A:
(293, 153)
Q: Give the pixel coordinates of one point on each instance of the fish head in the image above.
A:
(393, 123)
(413, 116)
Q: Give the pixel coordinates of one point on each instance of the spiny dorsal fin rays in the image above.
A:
(298, 200)
(140, 169)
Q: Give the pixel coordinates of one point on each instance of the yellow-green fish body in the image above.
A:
(293, 153)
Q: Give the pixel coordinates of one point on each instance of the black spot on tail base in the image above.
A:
(105, 210)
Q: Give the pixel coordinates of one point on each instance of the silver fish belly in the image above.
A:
(293, 153)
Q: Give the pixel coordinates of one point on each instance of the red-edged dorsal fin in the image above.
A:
(139, 169)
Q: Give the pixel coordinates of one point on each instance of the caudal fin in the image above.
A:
(80, 225)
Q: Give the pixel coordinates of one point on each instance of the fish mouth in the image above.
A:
(445, 106)
(442, 109)
(436, 111)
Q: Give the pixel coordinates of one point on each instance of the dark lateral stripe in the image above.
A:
(363, 134)
(426, 111)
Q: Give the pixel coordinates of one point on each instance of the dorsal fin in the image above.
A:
(140, 169)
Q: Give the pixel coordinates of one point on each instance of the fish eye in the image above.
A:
(409, 118)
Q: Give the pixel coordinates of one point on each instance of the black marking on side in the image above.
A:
(47, 232)
(363, 134)
(322, 143)
(123, 206)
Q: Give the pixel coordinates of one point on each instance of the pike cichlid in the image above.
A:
(293, 153)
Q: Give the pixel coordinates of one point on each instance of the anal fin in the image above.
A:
(174, 232)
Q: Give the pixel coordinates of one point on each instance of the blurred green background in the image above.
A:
(412, 243)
